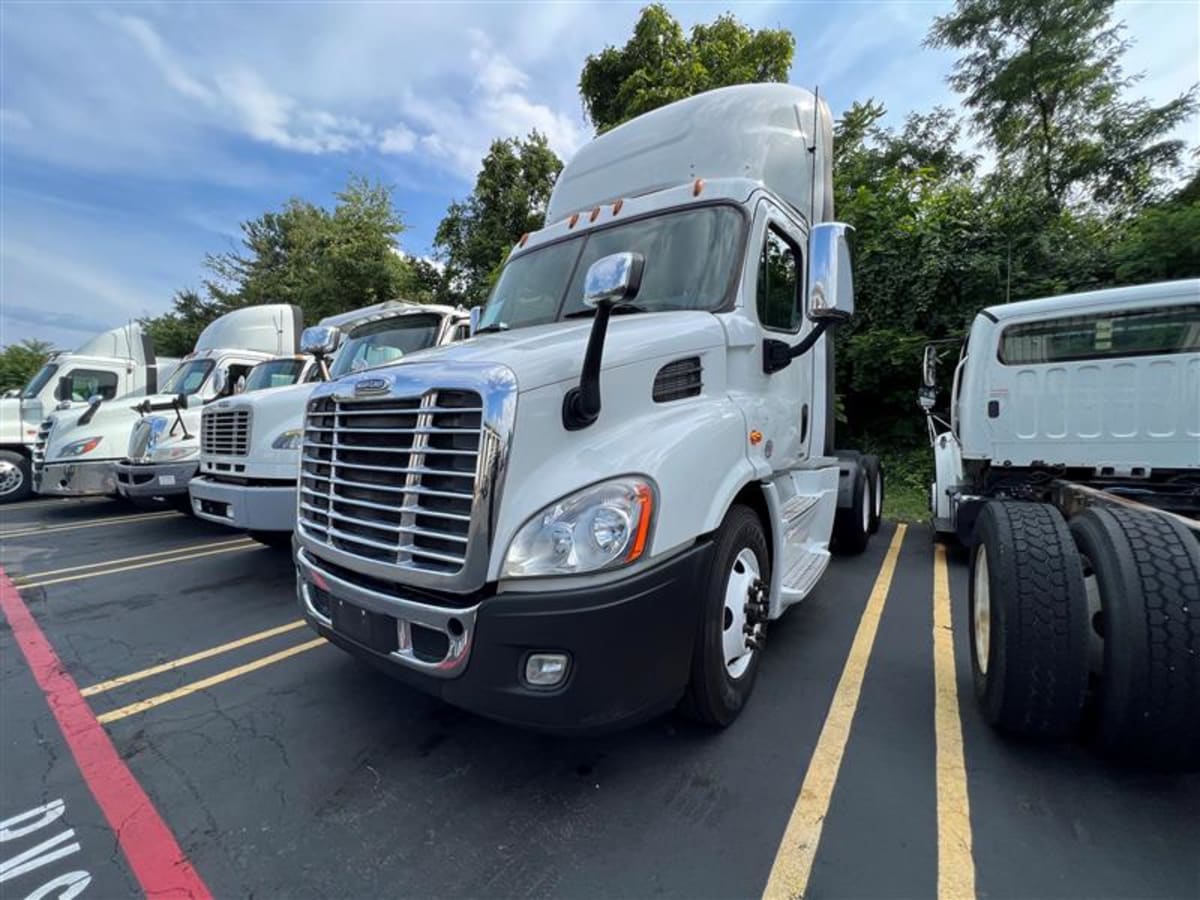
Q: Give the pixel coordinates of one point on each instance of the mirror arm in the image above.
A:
(581, 405)
(779, 354)
(179, 419)
(88, 414)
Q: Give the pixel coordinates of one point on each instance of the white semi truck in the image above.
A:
(115, 364)
(250, 444)
(1070, 464)
(589, 512)
(81, 455)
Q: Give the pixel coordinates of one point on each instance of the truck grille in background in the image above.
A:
(39, 446)
(225, 432)
(393, 479)
(677, 380)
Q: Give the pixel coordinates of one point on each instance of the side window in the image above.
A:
(80, 384)
(462, 332)
(779, 301)
(237, 377)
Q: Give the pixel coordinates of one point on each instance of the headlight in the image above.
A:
(174, 453)
(288, 440)
(600, 527)
(78, 448)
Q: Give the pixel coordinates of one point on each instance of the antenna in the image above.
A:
(812, 183)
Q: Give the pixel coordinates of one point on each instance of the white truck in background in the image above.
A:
(589, 512)
(120, 363)
(250, 444)
(1070, 465)
(78, 455)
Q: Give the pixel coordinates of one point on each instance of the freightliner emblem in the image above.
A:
(371, 386)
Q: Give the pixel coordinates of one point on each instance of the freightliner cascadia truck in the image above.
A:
(589, 513)
(1070, 465)
(250, 443)
(118, 363)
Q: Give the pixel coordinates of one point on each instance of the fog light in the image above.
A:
(545, 669)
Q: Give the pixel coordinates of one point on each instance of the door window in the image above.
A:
(80, 384)
(779, 299)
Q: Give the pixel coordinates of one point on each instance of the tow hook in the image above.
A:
(756, 615)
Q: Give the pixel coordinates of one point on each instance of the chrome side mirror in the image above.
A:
(320, 340)
(830, 272)
(220, 380)
(613, 279)
(476, 314)
(929, 367)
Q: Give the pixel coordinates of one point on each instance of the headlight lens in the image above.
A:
(600, 527)
(78, 448)
(289, 440)
(174, 452)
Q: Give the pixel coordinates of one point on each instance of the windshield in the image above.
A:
(379, 343)
(188, 378)
(689, 260)
(38, 381)
(273, 373)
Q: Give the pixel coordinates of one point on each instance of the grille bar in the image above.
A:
(225, 432)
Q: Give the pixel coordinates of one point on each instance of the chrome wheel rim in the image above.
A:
(743, 575)
(11, 478)
(981, 615)
(866, 512)
(878, 496)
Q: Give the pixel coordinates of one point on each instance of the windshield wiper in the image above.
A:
(491, 329)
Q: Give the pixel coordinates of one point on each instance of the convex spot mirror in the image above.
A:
(476, 314)
(613, 279)
(929, 367)
(220, 380)
(95, 400)
(320, 340)
(830, 272)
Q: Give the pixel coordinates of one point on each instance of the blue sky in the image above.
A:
(134, 138)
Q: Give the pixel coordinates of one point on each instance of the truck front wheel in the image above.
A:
(16, 477)
(1029, 620)
(733, 621)
(1147, 572)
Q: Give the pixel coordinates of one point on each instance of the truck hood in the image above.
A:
(113, 422)
(271, 411)
(553, 353)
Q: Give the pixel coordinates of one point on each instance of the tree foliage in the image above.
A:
(18, 362)
(510, 197)
(659, 64)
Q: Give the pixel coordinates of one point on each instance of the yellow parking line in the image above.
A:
(956, 866)
(113, 562)
(204, 683)
(253, 545)
(188, 660)
(797, 850)
(88, 523)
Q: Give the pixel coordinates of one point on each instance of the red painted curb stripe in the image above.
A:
(159, 864)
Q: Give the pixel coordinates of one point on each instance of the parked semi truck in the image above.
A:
(250, 444)
(81, 454)
(1070, 464)
(120, 363)
(589, 512)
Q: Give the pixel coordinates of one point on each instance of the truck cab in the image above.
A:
(250, 443)
(589, 512)
(108, 369)
(164, 443)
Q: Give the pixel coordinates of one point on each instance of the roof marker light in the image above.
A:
(595, 214)
(571, 221)
(617, 206)
(523, 240)
(697, 187)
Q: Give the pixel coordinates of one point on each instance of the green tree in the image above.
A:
(510, 197)
(1044, 83)
(18, 362)
(659, 64)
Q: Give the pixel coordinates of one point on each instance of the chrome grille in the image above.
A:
(39, 446)
(225, 432)
(393, 479)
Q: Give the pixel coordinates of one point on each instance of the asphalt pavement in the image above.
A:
(168, 725)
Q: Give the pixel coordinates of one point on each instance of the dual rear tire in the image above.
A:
(1096, 621)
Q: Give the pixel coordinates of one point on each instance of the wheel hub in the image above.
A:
(10, 478)
(744, 618)
(981, 618)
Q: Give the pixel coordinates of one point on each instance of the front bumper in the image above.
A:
(629, 643)
(250, 507)
(154, 479)
(77, 479)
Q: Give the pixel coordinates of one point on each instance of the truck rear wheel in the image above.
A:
(852, 523)
(16, 477)
(1147, 572)
(733, 621)
(874, 470)
(1029, 620)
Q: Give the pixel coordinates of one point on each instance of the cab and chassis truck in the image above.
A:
(250, 443)
(589, 512)
(1070, 467)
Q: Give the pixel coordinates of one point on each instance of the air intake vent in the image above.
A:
(677, 380)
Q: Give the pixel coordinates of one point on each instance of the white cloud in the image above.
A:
(398, 139)
(154, 48)
(14, 118)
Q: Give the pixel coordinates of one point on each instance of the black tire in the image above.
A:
(277, 540)
(874, 470)
(1147, 571)
(852, 524)
(1032, 679)
(714, 696)
(181, 502)
(16, 477)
